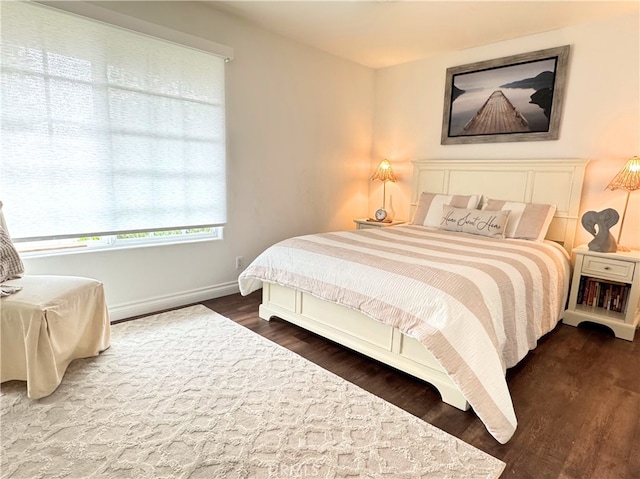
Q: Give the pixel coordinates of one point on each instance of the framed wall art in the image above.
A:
(516, 98)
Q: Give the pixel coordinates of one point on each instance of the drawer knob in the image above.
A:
(607, 268)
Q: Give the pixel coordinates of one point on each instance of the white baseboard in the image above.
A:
(160, 303)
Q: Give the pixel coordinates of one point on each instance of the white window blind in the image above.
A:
(105, 130)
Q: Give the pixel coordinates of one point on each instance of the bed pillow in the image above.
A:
(477, 222)
(10, 263)
(429, 210)
(527, 220)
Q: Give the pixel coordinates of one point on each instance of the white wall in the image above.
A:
(600, 121)
(300, 139)
(299, 127)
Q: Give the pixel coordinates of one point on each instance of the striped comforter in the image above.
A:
(478, 304)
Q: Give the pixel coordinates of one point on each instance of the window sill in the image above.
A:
(83, 249)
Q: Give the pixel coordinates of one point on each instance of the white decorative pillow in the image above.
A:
(476, 222)
(10, 263)
(429, 210)
(526, 220)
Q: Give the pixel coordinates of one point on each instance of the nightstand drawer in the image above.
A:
(611, 268)
(364, 226)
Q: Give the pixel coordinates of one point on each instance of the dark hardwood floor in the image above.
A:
(576, 396)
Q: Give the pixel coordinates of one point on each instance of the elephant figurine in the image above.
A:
(603, 241)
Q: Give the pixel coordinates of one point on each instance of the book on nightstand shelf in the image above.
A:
(604, 294)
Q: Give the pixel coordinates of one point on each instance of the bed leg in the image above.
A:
(265, 313)
(454, 398)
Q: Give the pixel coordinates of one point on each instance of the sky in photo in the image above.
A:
(499, 76)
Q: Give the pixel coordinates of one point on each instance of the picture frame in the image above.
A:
(515, 98)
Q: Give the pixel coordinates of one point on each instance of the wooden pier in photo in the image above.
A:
(497, 115)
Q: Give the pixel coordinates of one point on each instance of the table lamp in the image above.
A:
(628, 179)
(384, 173)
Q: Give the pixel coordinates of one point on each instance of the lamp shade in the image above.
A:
(628, 178)
(384, 172)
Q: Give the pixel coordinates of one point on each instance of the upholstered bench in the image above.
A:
(50, 322)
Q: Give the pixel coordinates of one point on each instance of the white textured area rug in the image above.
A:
(191, 394)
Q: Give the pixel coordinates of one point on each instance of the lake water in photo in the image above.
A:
(467, 104)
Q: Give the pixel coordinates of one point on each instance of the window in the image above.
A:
(107, 132)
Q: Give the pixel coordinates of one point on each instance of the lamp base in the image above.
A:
(623, 248)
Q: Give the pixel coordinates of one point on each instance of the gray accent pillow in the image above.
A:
(10, 263)
(528, 221)
(429, 210)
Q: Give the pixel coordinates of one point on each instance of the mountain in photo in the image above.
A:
(540, 81)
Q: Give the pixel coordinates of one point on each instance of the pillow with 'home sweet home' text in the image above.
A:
(477, 222)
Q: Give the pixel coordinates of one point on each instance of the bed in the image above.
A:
(452, 308)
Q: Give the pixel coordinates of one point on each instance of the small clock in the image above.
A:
(381, 214)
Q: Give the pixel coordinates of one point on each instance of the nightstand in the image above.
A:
(363, 223)
(605, 289)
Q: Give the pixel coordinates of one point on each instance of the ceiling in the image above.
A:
(381, 33)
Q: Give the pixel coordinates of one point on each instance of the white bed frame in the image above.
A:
(550, 181)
